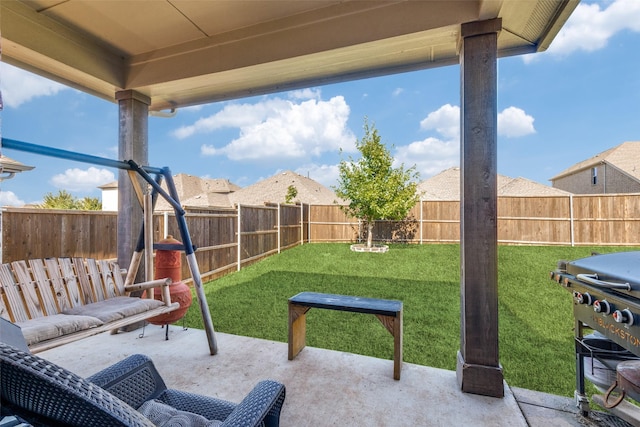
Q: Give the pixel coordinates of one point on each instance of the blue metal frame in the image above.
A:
(172, 198)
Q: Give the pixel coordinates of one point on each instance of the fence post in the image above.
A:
(421, 220)
(309, 222)
(279, 227)
(301, 223)
(571, 223)
(239, 234)
(165, 224)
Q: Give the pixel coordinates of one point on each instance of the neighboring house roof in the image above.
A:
(519, 187)
(274, 190)
(113, 185)
(446, 186)
(202, 192)
(625, 157)
(9, 167)
(193, 191)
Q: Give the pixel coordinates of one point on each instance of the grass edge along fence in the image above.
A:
(229, 238)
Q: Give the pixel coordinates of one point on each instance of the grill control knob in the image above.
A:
(583, 298)
(602, 306)
(623, 316)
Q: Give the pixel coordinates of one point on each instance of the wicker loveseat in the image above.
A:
(42, 393)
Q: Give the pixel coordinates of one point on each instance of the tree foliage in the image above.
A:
(374, 189)
(89, 204)
(292, 193)
(64, 200)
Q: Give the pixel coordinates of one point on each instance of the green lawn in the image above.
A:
(536, 322)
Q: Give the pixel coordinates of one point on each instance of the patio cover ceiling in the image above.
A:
(187, 52)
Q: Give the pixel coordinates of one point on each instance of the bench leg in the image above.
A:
(297, 329)
(397, 346)
(394, 325)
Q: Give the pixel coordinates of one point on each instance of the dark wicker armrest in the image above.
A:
(262, 404)
(133, 380)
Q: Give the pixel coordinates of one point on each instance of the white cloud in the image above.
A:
(305, 94)
(82, 180)
(282, 129)
(431, 155)
(19, 86)
(434, 154)
(514, 122)
(9, 198)
(398, 91)
(326, 175)
(590, 27)
(445, 120)
(233, 115)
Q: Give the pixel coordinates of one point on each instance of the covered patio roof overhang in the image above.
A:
(181, 52)
(166, 54)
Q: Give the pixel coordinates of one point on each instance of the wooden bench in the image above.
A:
(59, 300)
(389, 312)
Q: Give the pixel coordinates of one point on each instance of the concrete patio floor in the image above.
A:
(324, 387)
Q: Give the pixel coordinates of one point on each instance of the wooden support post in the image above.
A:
(397, 345)
(297, 329)
(478, 367)
(393, 324)
(132, 145)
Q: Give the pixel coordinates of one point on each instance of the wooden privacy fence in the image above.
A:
(565, 220)
(42, 233)
(221, 244)
(227, 239)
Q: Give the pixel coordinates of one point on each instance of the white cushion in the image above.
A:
(57, 325)
(116, 308)
(163, 415)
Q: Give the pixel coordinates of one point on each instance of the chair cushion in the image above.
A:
(57, 325)
(163, 415)
(116, 308)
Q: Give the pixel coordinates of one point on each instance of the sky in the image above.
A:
(577, 99)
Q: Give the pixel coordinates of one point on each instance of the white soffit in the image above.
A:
(185, 52)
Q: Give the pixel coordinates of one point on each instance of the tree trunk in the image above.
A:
(369, 234)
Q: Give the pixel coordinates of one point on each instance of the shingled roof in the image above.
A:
(274, 190)
(9, 167)
(195, 191)
(625, 157)
(446, 186)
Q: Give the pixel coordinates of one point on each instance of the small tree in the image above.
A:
(62, 200)
(292, 192)
(374, 189)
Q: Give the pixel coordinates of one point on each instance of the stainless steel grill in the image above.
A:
(606, 299)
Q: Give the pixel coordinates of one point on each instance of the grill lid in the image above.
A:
(621, 267)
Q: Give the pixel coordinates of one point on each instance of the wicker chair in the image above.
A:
(42, 393)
